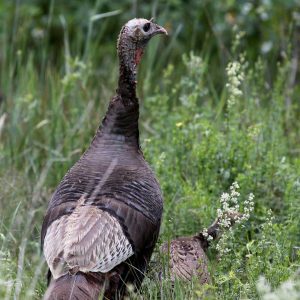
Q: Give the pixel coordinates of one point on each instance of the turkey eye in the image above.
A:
(146, 27)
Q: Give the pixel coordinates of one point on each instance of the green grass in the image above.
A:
(201, 130)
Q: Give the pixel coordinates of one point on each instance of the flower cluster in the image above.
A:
(288, 289)
(229, 213)
(248, 207)
(206, 235)
(235, 77)
(230, 207)
(266, 228)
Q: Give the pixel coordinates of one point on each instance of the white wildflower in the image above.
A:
(235, 78)
(287, 290)
(219, 213)
(210, 238)
(225, 197)
(204, 232)
(235, 186)
(263, 286)
(229, 212)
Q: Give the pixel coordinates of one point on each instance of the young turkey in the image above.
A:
(187, 257)
(103, 220)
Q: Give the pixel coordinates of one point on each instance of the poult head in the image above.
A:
(135, 35)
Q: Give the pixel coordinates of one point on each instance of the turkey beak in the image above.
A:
(158, 30)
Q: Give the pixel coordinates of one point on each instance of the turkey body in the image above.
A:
(187, 260)
(103, 220)
(187, 257)
(106, 211)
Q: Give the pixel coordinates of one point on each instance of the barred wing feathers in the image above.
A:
(88, 240)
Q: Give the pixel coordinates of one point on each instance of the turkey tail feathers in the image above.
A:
(81, 286)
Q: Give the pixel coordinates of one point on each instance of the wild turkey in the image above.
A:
(103, 220)
(187, 257)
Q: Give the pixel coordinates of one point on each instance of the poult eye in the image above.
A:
(146, 27)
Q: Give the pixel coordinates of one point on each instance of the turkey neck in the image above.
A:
(121, 119)
(127, 52)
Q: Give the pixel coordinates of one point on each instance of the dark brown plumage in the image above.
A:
(187, 257)
(103, 220)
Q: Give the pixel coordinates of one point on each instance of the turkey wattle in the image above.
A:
(103, 220)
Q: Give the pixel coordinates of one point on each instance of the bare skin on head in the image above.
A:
(132, 42)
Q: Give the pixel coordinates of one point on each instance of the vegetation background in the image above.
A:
(219, 103)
